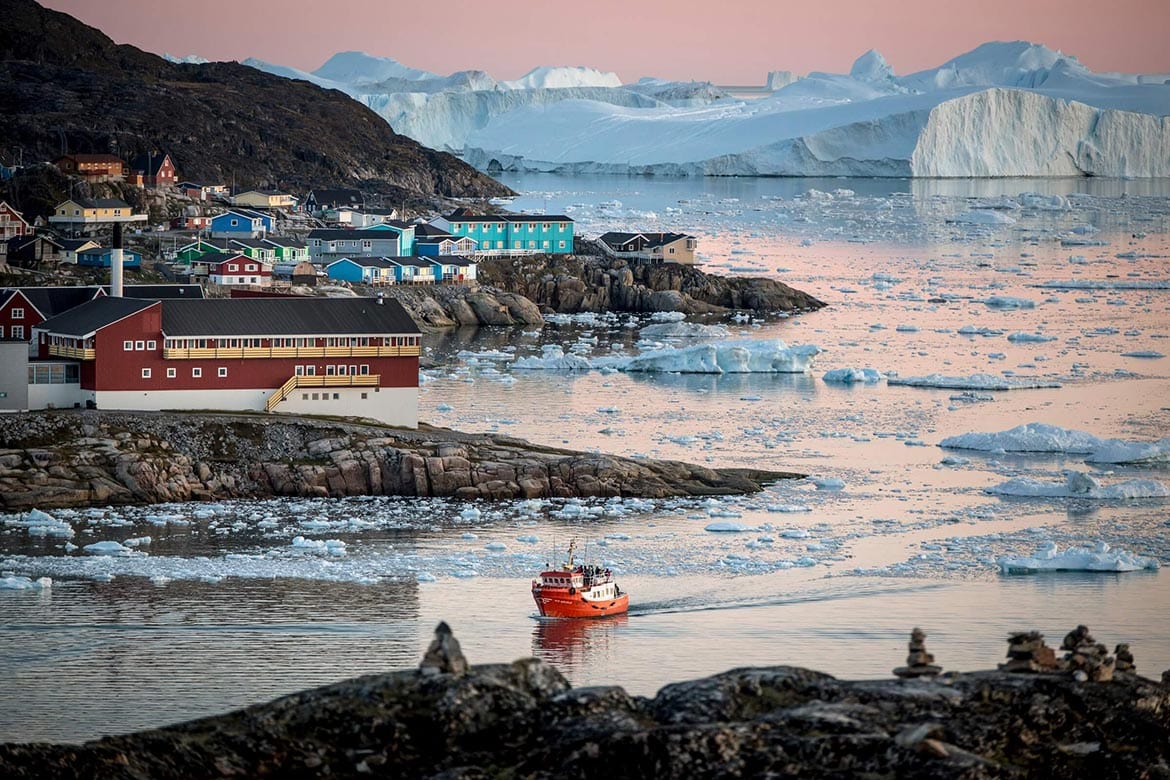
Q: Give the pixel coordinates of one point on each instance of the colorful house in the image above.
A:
(101, 257)
(334, 356)
(12, 224)
(255, 248)
(363, 270)
(191, 223)
(651, 247)
(360, 219)
(264, 199)
(23, 308)
(197, 248)
(241, 223)
(413, 270)
(452, 268)
(512, 234)
(152, 170)
(71, 246)
(87, 211)
(326, 245)
(93, 167)
(319, 201)
(197, 191)
(287, 250)
(34, 249)
(239, 270)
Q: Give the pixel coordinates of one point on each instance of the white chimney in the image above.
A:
(116, 272)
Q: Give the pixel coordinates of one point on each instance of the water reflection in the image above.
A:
(573, 644)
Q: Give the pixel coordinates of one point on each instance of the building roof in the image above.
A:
(99, 203)
(329, 234)
(252, 317)
(459, 260)
(86, 319)
(16, 243)
(467, 215)
(214, 258)
(73, 244)
(615, 239)
(364, 262)
(92, 158)
(423, 230)
(148, 163)
(159, 292)
(102, 251)
(284, 241)
(417, 262)
(247, 213)
(253, 243)
(440, 239)
(339, 196)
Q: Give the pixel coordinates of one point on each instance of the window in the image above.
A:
(127, 346)
(363, 369)
(364, 396)
(330, 370)
(336, 396)
(367, 244)
(222, 372)
(672, 250)
(532, 226)
(146, 373)
(531, 244)
(544, 226)
(304, 396)
(560, 244)
(171, 373)
(196, 373)
(139, 345)
(250, 267)
(17, 331)
(316, 396)
(561, 227)
(18, 314)
(457, 226)
(310, 370)
(544, 244)
(152, 345)
(235, 222)
(299, 371)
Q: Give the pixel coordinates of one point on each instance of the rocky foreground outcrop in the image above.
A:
(523, 720)
(584, 283)
(99, 458)
(451, 305)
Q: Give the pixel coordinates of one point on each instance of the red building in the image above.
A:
(93, 167)
(152, 170)
(239, 271)
(339, 356)
(12, 224)
(23, 308)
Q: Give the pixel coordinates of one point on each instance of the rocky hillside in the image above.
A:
(523, 720)
(66, 87)
(98, 458)
(585, 283)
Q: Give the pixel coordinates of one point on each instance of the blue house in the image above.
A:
(99, 257)
(430, 241)
(405, 232)
(363, 270)
(241, 223)
(414, 270)
(515, 234)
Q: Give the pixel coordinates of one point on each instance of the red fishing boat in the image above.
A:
(578, 591)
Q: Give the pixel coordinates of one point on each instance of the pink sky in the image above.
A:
(730, 42)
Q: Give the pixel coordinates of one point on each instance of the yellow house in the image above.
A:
(265, 199)
(86, 211)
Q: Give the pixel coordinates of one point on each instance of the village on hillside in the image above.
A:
(250, 300)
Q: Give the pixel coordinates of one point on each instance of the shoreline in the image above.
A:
(82, 458)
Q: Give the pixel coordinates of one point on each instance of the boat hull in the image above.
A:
(561, 604)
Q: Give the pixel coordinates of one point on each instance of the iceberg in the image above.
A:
(972, 382)
(1040, 437)
(1100, 557)
(1080, 485)
(1003, 109)
(553, 358)
(726, 357)
(848, 376)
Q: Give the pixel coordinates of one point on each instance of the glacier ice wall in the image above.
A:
(1011, 132)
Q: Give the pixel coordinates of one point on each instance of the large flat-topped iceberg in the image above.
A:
(1099, 557)
(765, 356)
(1044, 438)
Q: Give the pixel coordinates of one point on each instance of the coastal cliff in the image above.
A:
(100, 458)
(451, 720)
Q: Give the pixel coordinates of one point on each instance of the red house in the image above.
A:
(23, 308)
(152, 170)
(93, 167)
(12, 224)
(338, 356)
(240, 270)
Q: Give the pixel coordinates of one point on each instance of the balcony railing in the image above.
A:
(337, 380)
(225, 353)
(77, 353)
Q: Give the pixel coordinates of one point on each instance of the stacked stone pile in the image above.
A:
(1087, 658)
(1124, 658)
(1028, 653)
(919, 663)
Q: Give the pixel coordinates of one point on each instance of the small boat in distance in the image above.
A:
(578, 591)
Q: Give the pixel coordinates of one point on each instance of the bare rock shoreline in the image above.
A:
(72, 458)
(523, 720)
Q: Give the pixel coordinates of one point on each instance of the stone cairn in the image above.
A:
(444, 655)
(1124, 658)
(1028, 653)
(919, 663)
(1087, 658)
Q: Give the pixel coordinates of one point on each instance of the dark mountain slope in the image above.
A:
(66, 87)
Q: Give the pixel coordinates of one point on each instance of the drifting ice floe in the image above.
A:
(729, 357)
(973, 382)
(848, 376)
(1101, 557)
(1040, 437)
(41, 523)
(25, 583)
(1080, 485)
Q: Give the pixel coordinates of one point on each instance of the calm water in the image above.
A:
(223, 607)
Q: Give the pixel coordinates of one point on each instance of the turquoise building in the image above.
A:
(512, 234)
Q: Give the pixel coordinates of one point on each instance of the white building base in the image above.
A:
(389, 405)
